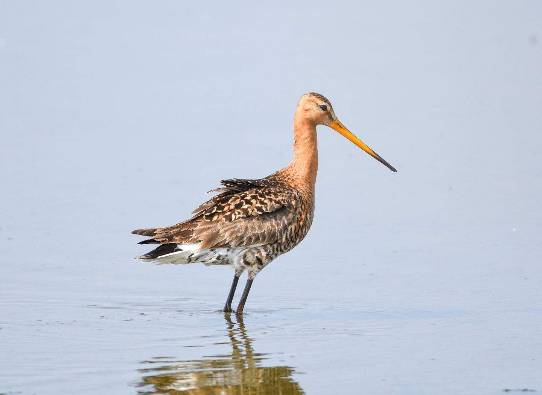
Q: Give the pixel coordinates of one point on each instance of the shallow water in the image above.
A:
(117, 116)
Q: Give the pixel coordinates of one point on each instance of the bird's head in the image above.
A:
(317, 108)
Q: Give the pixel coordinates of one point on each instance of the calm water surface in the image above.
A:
(119, 115)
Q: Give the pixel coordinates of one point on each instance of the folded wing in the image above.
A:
(244, 213)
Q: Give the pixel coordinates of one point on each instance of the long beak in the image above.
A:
(339, 127)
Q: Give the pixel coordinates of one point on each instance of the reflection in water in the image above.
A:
(236, 373)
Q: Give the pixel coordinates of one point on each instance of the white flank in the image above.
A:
(187, 250)
(190, 253)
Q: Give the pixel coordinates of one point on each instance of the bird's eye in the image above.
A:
(323, 107)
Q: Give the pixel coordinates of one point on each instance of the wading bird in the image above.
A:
(251, 222)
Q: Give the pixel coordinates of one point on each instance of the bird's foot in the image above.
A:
(227, 309)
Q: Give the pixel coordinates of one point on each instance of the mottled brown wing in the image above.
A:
(245, 212)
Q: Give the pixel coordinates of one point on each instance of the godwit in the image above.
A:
(251, 222)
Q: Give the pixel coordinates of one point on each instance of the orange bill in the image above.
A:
(339, 127)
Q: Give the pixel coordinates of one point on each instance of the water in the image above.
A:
(120, 115)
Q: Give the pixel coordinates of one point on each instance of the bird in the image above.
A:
(250, 222)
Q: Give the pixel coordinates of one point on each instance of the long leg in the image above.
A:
(227, 307)
(243, 300)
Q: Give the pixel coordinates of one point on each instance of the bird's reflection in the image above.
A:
(240, 372)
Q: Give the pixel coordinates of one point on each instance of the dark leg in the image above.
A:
(227, 307)
(243, 300)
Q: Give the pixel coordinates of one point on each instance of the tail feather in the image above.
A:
(162, 249)
(149, 241)
(176, 253)
(145, 232)
(175, 243)
(181, 233)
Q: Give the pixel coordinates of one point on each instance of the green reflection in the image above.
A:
(237, 373)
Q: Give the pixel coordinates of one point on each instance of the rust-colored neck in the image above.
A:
(304, 165)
